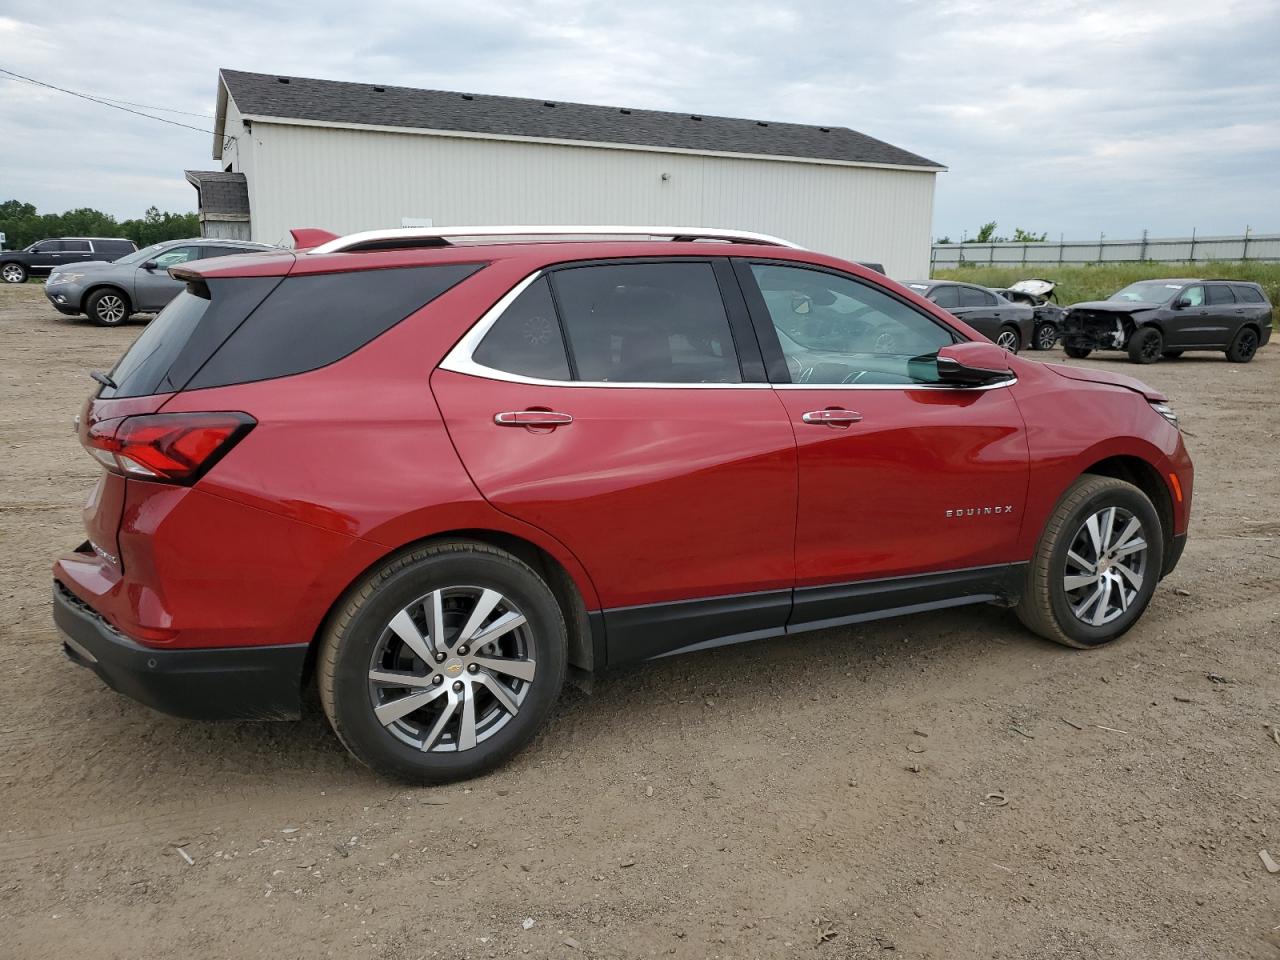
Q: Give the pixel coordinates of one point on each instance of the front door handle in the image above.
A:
(532, 418)
(832, 417)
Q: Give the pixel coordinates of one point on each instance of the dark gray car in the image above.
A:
(44, 256)
(1010, 325)
(1152, 319)
(108, 293)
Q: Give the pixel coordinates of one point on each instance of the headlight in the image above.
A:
(57, 278)
(1165, 411)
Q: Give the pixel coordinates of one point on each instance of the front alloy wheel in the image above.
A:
(13, 273)
(443, 662)
(1096, 565)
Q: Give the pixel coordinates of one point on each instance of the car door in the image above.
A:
(153, 288)
(1225, 316)
(910, 492)
(1187, 322)
(628, 417)
(45, 256)
(979, 310)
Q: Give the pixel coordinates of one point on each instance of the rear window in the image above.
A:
(311, 321)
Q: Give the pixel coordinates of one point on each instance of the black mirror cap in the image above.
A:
(150, 265)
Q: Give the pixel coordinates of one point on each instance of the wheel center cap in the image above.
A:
(454, 667)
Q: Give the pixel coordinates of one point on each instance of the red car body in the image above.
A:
(669, 518)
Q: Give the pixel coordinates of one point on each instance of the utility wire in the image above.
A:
(108, 103)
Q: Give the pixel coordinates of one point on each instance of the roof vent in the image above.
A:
(761, 123)
(825, 129)
(467, 96)
(380, 89)
(547, 103)
(282, 79)
(694, 116)
(625, 110)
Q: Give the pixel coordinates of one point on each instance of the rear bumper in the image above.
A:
(1266, 335)
(240, 683)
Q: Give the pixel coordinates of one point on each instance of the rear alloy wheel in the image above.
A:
(107, 307)
(1244, 347)
(1096, 566)
(1046, 336)
(13, 273)
(1076, 353)
(1008, 339)
(1146, 345)
(445, 662)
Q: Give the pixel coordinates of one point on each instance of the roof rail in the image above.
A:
(443, 236)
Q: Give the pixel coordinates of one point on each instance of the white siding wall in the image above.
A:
(348, 180)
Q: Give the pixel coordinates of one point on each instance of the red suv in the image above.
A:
(435, 472)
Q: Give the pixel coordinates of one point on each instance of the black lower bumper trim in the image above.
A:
(234, 683)
(1173, 554)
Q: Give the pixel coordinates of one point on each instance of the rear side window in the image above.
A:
(646, 323)
(1220, 293)
(74, 246)
(970, 297)
(117, 248)
(1249, 295)
(208, 253)
(311, 321)
(526, 339)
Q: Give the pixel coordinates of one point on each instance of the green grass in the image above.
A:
(1097, 281)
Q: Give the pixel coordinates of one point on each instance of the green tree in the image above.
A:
(1026, 236)
(987, 233)
(23, 225)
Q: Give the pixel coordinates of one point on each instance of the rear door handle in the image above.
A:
(832, 417)
(532, 418)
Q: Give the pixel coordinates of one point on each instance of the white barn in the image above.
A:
(296, 152)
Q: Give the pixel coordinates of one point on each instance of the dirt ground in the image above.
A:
(822, 796)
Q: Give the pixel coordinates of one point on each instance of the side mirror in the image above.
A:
(973, 364)
(150, 265)
(1181, 303)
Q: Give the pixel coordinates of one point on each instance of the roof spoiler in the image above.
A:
(304, 238)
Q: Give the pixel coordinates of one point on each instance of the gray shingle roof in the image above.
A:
(267, 95)
(221, 194)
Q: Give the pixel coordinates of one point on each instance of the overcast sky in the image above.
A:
(1071, 118)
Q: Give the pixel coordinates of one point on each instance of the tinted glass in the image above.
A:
(969, 297)
(46, 246)
(945, 296)
(113, 247)
(526, 340)
(311, 321)
(1249, 295)
(646, 323)
(208, 253)
(74, 246)
(185, 334)
(1220, 293)
(834, 329)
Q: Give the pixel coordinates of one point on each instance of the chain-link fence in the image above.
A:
(1193, 249)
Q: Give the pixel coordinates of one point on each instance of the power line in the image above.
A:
(149, 106)
(108, 103)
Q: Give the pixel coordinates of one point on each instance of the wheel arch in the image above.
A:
(585, 630)
(1147, 478)
(104, 285)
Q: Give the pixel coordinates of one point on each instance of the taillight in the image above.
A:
(166, 447)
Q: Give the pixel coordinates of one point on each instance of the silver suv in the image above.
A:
(109, 293)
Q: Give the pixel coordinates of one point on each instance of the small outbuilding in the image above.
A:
(355, 156)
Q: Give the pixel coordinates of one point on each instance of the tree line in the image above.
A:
(22, 225)
(987, 234)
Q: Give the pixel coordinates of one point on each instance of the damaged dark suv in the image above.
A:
(1151, 319)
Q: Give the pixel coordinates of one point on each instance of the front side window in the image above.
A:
(646, 323)
(1193, 296)
(526, 339)
(46, 246)
(175, 256)
(1221, 293)
(946, 296)
(834, 329)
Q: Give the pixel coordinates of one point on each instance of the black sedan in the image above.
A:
(1010, 325)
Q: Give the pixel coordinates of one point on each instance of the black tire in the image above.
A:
(1046, 605)
(13, 273)
(108, 307)
(1077, 353)
(1146, 345)
(1045, 337)
(1244, 347)
(1171, 354)
(359, 628)
(1009, 338)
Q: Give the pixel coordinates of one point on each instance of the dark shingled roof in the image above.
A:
(221, 194)
(332, 101)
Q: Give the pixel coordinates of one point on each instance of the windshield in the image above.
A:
(146, 253)
(1148, 291)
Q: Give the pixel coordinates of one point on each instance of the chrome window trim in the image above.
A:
(459, 360)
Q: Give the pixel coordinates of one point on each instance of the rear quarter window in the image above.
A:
(312, 321)
(1249, 294)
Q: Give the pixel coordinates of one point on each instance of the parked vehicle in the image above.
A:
(1151, 319)
(435, 479)
(44, 256)
(1040, 296)
(110, 292)
(1008, 325)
